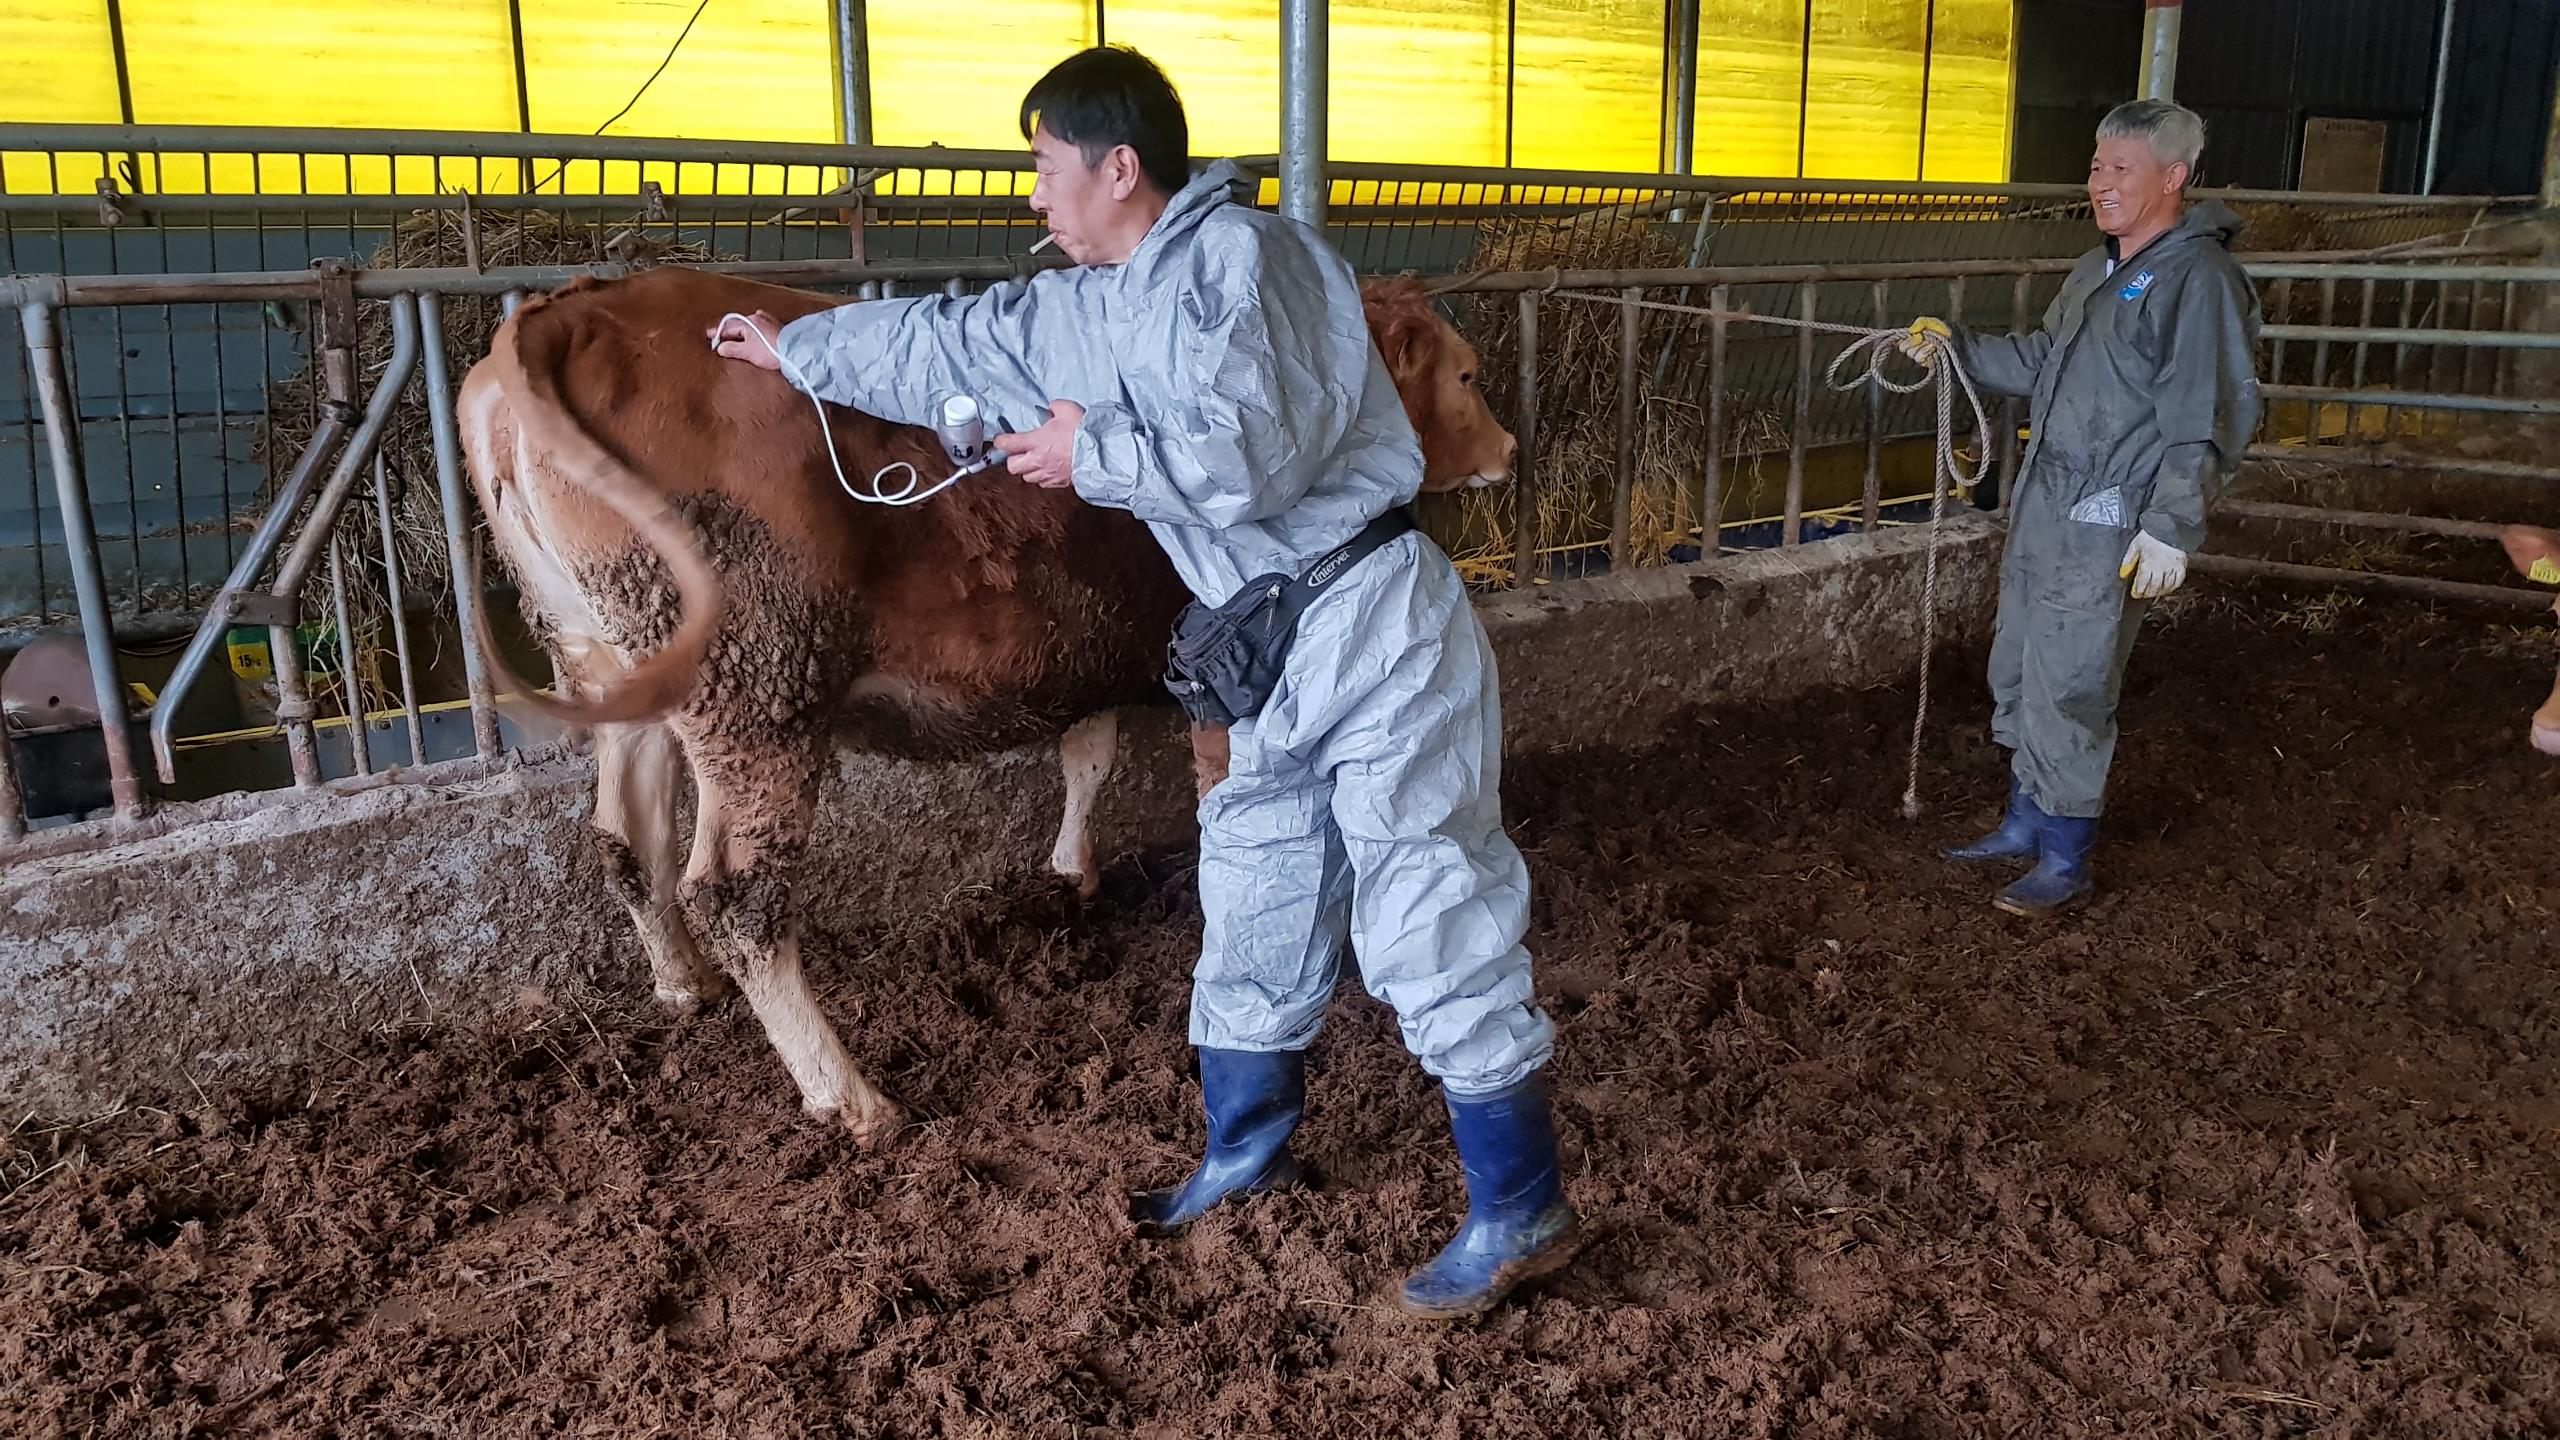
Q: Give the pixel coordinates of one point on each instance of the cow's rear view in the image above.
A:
(994, 616)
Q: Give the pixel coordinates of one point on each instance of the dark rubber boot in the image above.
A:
(2061, 877)
(2016, 839)
(1518, 1226)
(1254, 1099)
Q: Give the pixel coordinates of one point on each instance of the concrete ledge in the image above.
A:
(266, 932)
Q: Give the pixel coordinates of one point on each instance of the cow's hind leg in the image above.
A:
(638, 769)
(750, 838)
(1087, 753)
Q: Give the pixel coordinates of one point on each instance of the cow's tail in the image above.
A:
(531, 352)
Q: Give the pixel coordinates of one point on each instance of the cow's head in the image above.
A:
(1435, 374)
(2536, 553)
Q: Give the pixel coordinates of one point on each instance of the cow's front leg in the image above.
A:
(637, 770)
(749, 838)
(1087, 753)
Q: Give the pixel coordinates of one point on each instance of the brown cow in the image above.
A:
(2536, 553)
(992, 616)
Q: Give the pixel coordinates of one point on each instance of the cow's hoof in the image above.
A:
(685, 1004)
(871, 1125)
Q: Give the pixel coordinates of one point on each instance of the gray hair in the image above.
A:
(2174, 132)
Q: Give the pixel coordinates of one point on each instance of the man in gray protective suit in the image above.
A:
(1208, 368)
(2142, 397)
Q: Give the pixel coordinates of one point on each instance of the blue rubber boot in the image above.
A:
(1254, 1099)
(1518, 1226)
(2016, 839)
(2061, 877)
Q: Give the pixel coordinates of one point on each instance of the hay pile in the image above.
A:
(1576, 479)
(430, 238)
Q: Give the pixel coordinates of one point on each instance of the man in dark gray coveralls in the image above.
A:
(2142, 396)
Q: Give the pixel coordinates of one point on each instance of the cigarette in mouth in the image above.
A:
(1045, 242)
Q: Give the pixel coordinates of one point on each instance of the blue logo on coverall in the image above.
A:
(2134, 288)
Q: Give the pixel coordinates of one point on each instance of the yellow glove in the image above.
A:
(1926, 333)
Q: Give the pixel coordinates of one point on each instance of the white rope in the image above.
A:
(905, 494)
(1938, 363)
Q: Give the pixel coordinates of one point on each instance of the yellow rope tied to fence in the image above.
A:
(1939, 365)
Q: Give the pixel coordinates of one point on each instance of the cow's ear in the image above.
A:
(2534, 551)
(1404, 339)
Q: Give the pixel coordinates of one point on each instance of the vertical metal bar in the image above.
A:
(221, 434)
(1794, 530)
(1302, 110)
(35, 497)
(124, 432)
(2364, 321)
(1621, 519)
(2283, 311)
(1510, 82)
(1804, 91)
(2435, 105)
(2404, 355)
(2160, 23)
(351, 684)
(397, 603)
(2473, 355)
(2320, 353)
(1524, 471)
(2508, 319)
(1928, 58)
(457, 535)
(1711, 495)
(88, 581)
(524, 84)
(177, 442)
(293, 704)
(1872, 510)
(1684, 99)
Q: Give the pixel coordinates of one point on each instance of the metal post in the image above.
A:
(88, 581)
(1622, 519)
(1684, 81)
(351, 695)
(1872, 502)
(398, 604)
(1711, 498)
(1524, 543)
(2435, 106)
(2160, 48)
(853, 71)
(1802, 430)
(1302, 111)
(457, 532)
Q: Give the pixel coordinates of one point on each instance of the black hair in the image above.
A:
(1110, 96)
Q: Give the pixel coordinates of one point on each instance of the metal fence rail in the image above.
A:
(1645, 436)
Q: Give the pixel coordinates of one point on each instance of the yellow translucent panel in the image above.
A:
(1224, 58)
(748, 70)
(953, 72)
(1750, 85)
(431, 65)
(1587, 90)
(55, 68)
(1863, 89)
(1970, 86)
(1421, 81)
